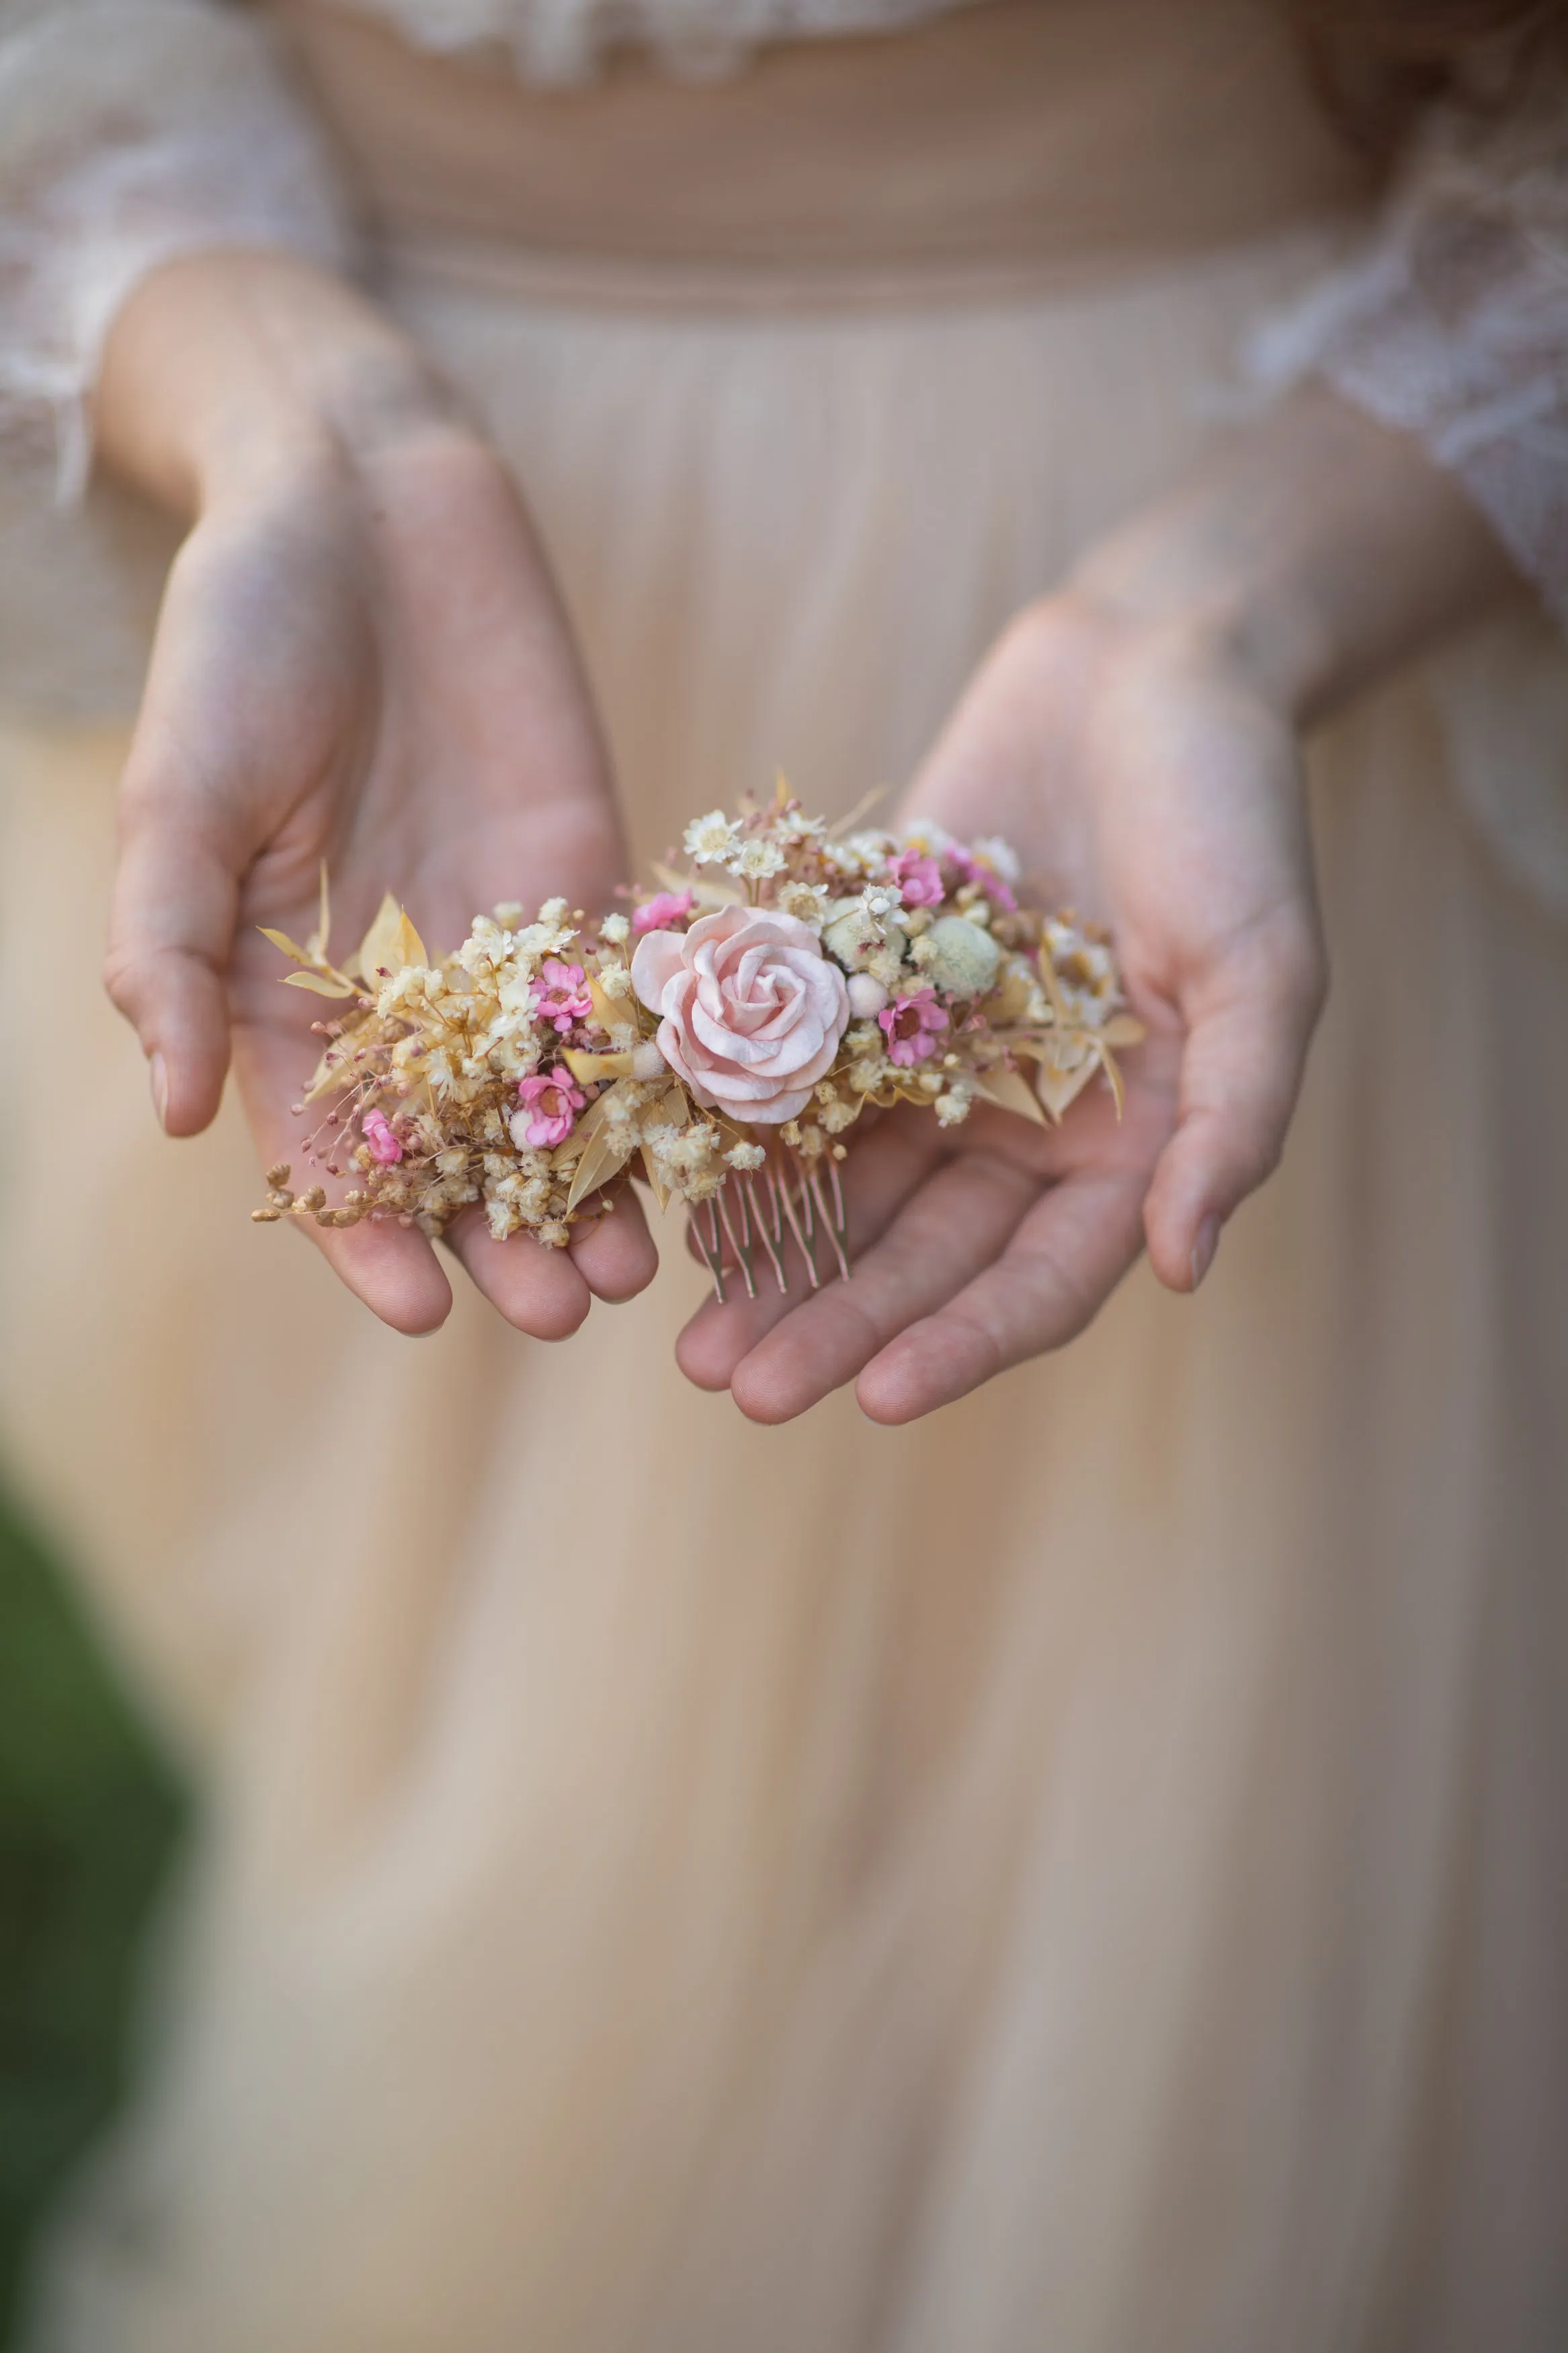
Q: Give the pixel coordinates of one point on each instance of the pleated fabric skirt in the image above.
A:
(1086, 1872)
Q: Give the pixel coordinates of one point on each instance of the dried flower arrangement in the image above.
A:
(722, 1036)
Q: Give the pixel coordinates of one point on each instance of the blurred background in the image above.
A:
(90, 1820)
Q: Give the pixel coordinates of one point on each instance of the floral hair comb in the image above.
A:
(721, 1039)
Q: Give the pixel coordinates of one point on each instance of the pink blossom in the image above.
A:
(913, 1025)
(550, 1101)
(384, 1144)
(919, 877)
(561, 993)
(751, 1009)
(656, 914)
(985, 877)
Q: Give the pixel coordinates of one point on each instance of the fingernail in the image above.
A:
(1205, 1248)
(158, 1078)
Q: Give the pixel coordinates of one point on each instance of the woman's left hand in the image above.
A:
(1146, 781)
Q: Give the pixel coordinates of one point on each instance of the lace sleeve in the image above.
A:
(1454, 323)
(132, 130)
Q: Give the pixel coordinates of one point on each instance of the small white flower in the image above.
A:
(710, 839)
(757, 860)
(806, 901)
(1000, 855)
(952, 1107)
(616, 979)
(745, 1156)
(933, 840)
(616, 929)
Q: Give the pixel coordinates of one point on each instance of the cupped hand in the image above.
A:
(360, 659)
(1149, 783)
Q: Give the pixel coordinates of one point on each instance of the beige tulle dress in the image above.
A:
(1086, 1872)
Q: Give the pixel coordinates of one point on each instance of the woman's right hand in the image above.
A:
(360, 659)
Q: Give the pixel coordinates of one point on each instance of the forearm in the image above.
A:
(1315, 554)
(226, 370)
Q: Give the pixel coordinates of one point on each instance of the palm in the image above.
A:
(392, 692)
(1153, 793)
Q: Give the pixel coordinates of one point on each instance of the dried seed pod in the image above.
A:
(264, 1217)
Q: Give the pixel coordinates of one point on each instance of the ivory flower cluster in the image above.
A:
(719, 1037)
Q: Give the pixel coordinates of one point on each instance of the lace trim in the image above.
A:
(128, 135)
(563, 42)
(1454, 326)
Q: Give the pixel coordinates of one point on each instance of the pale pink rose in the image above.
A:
(751, 1009)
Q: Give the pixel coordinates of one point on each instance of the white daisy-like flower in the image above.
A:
(1000, 855)
(757, 860)
(710, 839)
(806, 901)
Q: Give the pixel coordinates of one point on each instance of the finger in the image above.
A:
(614, 1252)
(171, 927)
(1066, 1257)
(392, 1269)
(954, 1225)
(884, 1169)
(1241, 1073)
(536, 1289)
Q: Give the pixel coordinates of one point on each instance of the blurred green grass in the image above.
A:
(90, 1817)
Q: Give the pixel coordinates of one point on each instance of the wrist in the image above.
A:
(227, 375)
(1311, 558)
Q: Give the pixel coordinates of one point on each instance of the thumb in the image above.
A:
(1241, 1073)
(171, 930)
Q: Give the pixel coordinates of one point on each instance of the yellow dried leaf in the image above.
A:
(410, 947)
(1009, 1091)
(289, 947)
(1107, 1064)
(588, 1069)
(656, 1185)
(1057, 1088)
(390, 944)
(320, 984)
(319, 938)
(1123, 1030)
(609, 1012)
(603, 1157)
